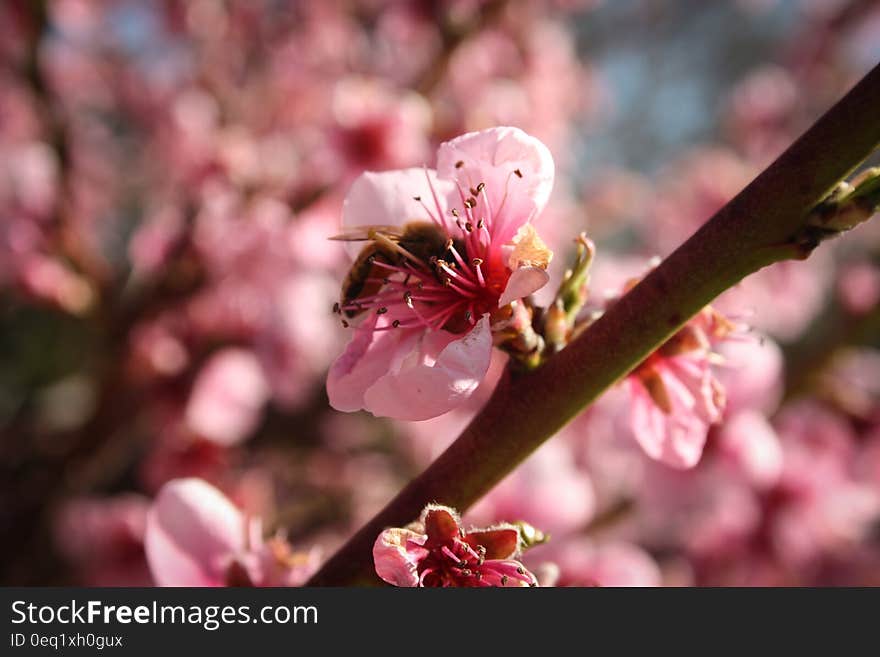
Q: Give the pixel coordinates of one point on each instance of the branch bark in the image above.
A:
(765, 223)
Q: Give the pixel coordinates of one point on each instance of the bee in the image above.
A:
(421, 242)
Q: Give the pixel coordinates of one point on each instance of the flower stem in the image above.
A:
(767, 222)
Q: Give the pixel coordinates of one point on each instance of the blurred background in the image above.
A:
(170, 172)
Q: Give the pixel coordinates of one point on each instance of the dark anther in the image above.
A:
(517, 173)
(382, 310)
(480, 188)
(345, 324)
(407, 299)
(477, 262)
(470, 203)
(336, 308)
(459, 164)
(417, 198)
(395, 323)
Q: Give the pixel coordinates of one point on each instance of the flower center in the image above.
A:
(448, 288)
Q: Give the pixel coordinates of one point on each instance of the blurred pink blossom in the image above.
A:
(675, 396)
(196, 537)
(228, 397)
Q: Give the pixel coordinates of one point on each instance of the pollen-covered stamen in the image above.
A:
(450, 247)
(437, 320)
(469, 204)
(498, 214)
(458, 278)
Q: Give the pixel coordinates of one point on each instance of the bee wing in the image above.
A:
(366, 233)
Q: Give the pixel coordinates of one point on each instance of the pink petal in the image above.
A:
(677, 438)
(752, 375)
(523, 282)
(491, 157)
(499, 543)
(388, 199)
(367, 357)
(695, 374)
(441, 525)
(227, 397)
(394, 557)
(421, 385)
(193, 532)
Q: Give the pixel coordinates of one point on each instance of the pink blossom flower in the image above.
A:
(675, 396)
(195, 536)
(426, 343)
(751, 374)
(437, 551)
(858, 287)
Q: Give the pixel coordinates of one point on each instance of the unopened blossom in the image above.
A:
(428, 316)
(437, 551)
(196, 536)
(675, 396)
